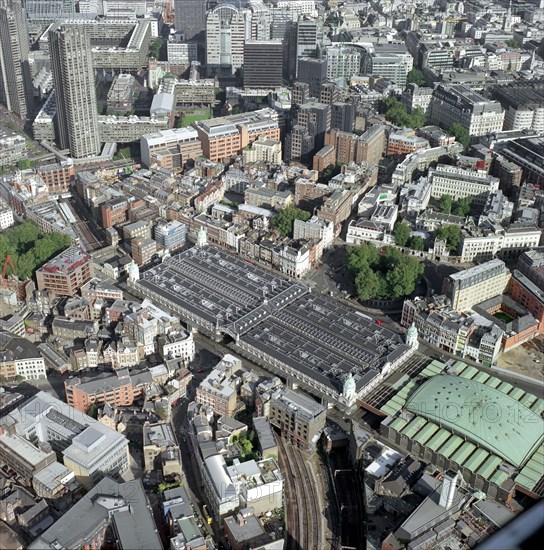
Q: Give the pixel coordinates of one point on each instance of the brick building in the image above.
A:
(66, 273)
(117, 391)
(114, 212)
(58, 177)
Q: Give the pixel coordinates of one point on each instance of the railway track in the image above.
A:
(303, 517)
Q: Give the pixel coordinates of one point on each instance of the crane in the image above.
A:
(8, 263)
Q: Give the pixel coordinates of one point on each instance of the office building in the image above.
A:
(404, 142)
(309, 39)
(417, 97)
(45, 12)
(523, 103)
(23, 457)
(477, 284)
(313, 72)
(387, 65)
(161, 450)
(143, 250)
(121, 509)
(308, 135)
(218, 389)
(66, 273)
(20, 358)
(15, 75)
(6, 216)
(181, 53)
(114, 212)
(263, 64)
(369, 147)
(170, 149)
(478, 244)
(342, 116)
(191, 19)
(171, 235)
(89, 448)
(137, 229)
(12, 148)
(58, 177)
(314, 228)
(222, 137)
(53, 481)
(300, 418)
(73, 76)
(342, 62)
(263, 150)
(117, 391)
(457, 103)
(459, 183)
(226, 33)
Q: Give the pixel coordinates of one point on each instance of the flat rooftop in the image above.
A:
(326, 340)
(66, 261)
(318, 336)
(214, 285)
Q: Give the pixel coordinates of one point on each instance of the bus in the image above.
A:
(206, 514)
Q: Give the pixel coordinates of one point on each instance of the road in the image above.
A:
(204, 361)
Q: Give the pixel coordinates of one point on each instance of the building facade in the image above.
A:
(73, 77)
(15, 75)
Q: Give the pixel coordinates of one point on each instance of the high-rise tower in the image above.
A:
(15, 76)
(75, 93)
(191, 18)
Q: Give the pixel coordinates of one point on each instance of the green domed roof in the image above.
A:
(481, 414)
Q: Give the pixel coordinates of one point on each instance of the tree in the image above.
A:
(446, 202)
(361, 256)
(462, 208)
(418, 118)
(367, 284)
(25, 164)
(155, 48)
(388, 275)
(396, 112)
(284, 221)
(461, 134)
(161, 412)
(451, 234)
(123, 153)
(401, 233)
(93, 411)
(415, 76)
(29, 249)
(417, 243)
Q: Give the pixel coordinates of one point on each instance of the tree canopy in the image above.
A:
(401, 233)
(155, 48)
(451, 234)
(29, 249)
(417, 243)
(462, 207)
(396, 112)
(446, 203)
(384, 275)
(415, 76)
(285, 220)
(461, 134)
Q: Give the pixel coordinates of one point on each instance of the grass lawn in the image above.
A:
(503, 316)
(193, 116)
